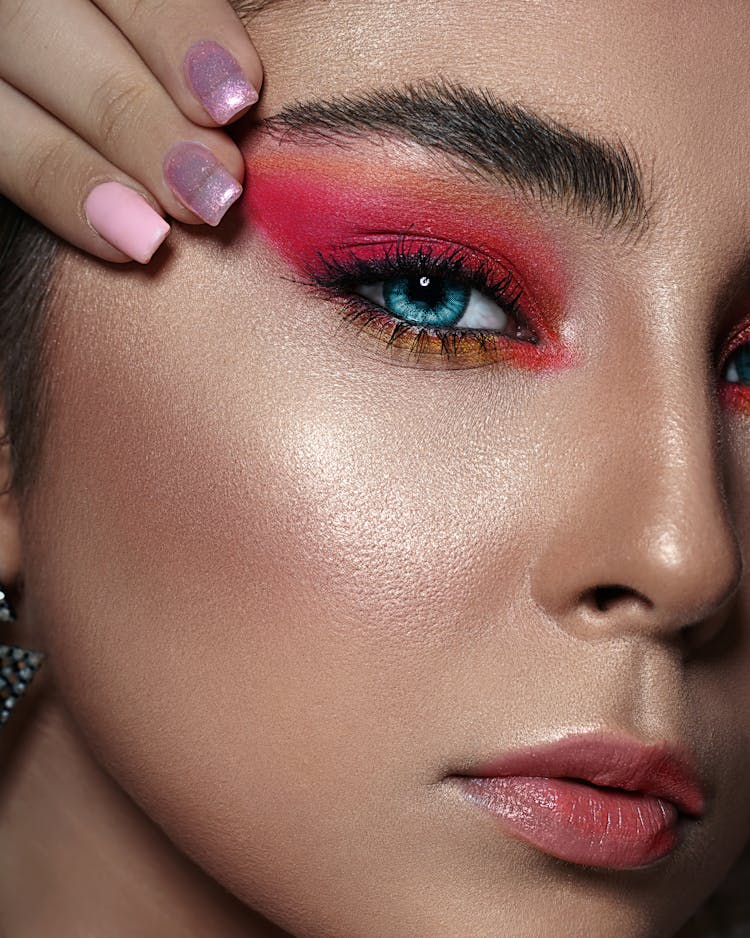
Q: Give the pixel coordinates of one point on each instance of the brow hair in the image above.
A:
(499, 140)
(247, 9)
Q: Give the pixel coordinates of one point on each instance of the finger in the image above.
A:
(122, 223)
(198, 49)
(116, 104)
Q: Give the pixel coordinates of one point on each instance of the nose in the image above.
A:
(643, 542)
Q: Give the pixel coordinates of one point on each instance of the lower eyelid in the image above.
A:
(422, 346)
(404, 344)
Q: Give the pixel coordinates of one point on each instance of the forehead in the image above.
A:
(667, 78)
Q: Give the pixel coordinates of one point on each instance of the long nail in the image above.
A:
(218, 81)
(200, 181)
(125, 219)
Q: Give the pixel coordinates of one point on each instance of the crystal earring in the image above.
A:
(17, 665)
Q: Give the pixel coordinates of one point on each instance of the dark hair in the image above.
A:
(28, 253)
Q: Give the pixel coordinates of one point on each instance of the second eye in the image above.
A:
(435, 303)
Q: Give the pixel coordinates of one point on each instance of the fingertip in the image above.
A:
(123, 218)
(218, 81)
(200, 181)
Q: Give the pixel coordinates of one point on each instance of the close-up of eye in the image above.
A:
(375, 469)
(430, 298)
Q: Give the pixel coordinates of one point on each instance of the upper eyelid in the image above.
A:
(397, 249)
(737, 338)
(503, 286)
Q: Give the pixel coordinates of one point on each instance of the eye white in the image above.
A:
(732, 375)
(482, 313)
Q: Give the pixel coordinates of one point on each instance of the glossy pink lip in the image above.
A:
(592, 799)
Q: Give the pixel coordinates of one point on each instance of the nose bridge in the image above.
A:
(648, 543)
(688, 552)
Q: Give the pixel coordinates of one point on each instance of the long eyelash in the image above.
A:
(402, 258)
(338, 275)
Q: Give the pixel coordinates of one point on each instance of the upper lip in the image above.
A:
(662, 769)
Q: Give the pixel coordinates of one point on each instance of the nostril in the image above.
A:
(605, 597)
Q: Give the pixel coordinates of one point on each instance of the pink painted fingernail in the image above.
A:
(200, 181)
(125, 219)
(218, 81)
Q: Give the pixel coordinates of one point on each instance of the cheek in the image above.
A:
(245, 494)
(237, 549)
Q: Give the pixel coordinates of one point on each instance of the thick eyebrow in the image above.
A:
(524, 148)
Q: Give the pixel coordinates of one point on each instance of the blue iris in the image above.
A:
(426, 301)
(741, 361)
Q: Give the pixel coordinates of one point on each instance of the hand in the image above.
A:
(108, 116)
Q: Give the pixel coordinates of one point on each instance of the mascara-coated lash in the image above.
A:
(339, 274)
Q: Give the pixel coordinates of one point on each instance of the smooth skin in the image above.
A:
(287, 586)
(93, 92)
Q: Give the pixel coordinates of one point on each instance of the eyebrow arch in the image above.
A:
(524, 148)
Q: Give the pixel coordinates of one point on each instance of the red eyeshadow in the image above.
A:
(308, 206)
(735, 396)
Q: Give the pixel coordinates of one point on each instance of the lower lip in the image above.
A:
(578, 822)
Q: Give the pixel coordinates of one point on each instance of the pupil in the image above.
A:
(425, 290)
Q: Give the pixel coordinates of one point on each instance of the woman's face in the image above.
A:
(297, 567)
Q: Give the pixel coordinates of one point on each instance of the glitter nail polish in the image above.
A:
(200, 181)
(218, 81)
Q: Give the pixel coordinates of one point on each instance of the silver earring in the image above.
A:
(17, 665)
